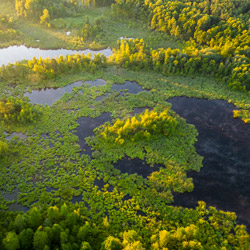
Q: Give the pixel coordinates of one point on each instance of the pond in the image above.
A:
(51, 95)
(128, 86)
(87, 125)
(131, 87)
(135, 166)
(18, 53)
(224, 142)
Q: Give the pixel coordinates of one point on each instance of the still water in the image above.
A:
(224, 180)
(18, 53)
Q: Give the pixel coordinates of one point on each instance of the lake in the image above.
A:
(224, 143)
(18, 53)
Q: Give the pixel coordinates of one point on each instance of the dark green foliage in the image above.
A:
(202, 228)
(26, 239)
(41, 239)
(34, 218)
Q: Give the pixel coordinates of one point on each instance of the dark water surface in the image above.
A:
(18, 53)
(87, 125)
(51, 95)
(131, 87)
(224, 142)
(135, 166)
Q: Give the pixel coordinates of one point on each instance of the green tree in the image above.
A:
(11, 241)
(111, 243)
(45, 18)
(85, 246)
(41, 239)
(26, 239)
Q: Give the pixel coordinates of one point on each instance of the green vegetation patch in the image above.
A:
(71, 227)
(14, 110)
(160, 137)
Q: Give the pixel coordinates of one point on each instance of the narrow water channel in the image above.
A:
(224, 142)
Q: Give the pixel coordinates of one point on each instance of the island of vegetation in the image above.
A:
(61, 186)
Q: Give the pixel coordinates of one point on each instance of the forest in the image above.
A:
(100, 167)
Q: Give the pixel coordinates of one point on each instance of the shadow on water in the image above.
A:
(224, 142)
(135, 166)
(87, 125)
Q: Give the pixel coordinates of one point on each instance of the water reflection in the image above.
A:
(224, 142)
(50, 95)
(18, 53)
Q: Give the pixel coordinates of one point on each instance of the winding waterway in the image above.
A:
(224, 142)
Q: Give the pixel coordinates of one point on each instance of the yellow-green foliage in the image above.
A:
(42, 69)
(45, 18)
(16, 110)
(244, 114)
(142, 126)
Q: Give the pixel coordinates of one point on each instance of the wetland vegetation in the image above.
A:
(90, 147)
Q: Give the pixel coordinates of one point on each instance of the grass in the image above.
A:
(7, 7)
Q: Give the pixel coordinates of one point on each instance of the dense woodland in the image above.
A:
(118, 211)
(217, 35)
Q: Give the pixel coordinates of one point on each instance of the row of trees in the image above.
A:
(135, 54)
(69, 227)
(43, 69)
(56, 8)
(221, 30)
(35, 8)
